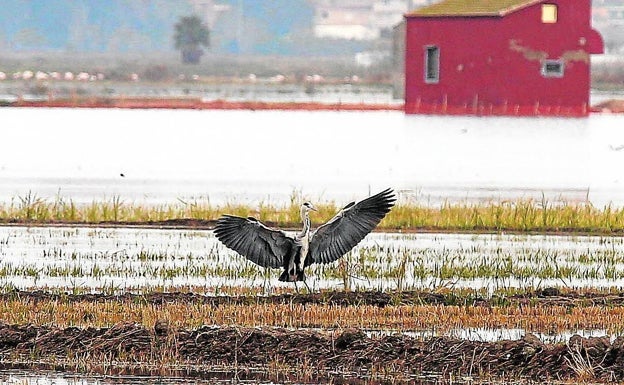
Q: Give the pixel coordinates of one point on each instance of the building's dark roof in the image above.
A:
(471, 8)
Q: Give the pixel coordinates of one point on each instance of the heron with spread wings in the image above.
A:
(274, 248)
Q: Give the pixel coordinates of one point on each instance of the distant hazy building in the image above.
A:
(398, 60)
(360, 19)
(209, 10)
(387, 14)
(349, 19)
(608, 12)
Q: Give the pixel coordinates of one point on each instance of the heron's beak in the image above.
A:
(313, 208)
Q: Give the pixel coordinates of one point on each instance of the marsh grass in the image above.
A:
(520, 215)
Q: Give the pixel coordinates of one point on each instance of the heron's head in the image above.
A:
(307, 206)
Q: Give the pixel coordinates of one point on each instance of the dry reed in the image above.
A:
(546, 319)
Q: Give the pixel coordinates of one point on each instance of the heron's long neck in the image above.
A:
(306, 223)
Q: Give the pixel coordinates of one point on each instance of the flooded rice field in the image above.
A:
(139, 259)
(121, 300)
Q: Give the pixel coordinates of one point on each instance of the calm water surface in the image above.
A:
(160, 156)
(20, 377)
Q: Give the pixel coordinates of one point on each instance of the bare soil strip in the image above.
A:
(543, 297)
(208, 224)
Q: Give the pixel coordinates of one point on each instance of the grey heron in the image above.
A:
(273, 248)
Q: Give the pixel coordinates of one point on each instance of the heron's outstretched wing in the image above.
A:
(253, 240)
(345, 230)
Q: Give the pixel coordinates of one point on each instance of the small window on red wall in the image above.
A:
(432, 64)
(549, 13)
(553, 68)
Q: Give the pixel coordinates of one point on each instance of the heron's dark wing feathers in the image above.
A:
(253, 240)
(345, 230)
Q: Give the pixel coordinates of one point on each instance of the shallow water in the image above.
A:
(160, 156)
(112, 260)
(225, 378)
(495, 335)
(22, 377)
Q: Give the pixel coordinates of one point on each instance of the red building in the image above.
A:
(500, 57)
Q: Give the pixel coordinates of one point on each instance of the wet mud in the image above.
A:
(309, 355)
(208, 224)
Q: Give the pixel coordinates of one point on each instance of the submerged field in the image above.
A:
(522, 291)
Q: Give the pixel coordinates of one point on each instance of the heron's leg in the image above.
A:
(307, 287)
(266, 284)
(296, 288)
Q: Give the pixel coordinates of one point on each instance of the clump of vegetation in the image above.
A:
(513, 216)
(191, 34)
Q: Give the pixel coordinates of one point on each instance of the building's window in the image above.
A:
(432, 64)
(549, 13)
(552, 68)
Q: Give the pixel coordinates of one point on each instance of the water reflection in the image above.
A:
(19, 377)
(495, 335)
(245, 376)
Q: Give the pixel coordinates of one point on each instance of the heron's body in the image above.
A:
(330, 241)
(302, 254)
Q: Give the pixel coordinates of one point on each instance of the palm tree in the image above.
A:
(190, 35)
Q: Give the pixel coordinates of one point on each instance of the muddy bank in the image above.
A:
(208, 224)
(130, 348)
(610, 106)
(543, 297)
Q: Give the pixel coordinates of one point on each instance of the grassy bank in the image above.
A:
(513, 216)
